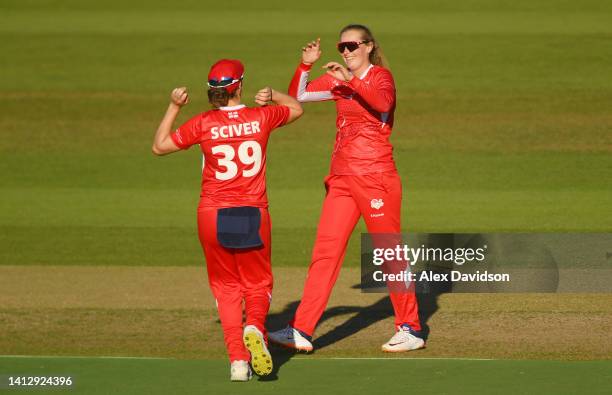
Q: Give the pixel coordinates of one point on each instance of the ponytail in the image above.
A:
(377, 57)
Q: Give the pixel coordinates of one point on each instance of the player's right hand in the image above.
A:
(179, 96)
(311, 52)
(263, 96)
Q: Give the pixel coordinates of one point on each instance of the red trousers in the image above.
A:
(377, 197)
(237, 277)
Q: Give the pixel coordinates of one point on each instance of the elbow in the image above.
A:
(156, 150)
(296, 112)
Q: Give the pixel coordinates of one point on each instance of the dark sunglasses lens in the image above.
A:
(351, 46)
(222, 82)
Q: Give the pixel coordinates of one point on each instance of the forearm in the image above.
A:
(298, 83)
(162, 143)
(295, 108)
(283, 99)
(308, 91)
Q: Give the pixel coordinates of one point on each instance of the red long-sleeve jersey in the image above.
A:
(233, 141)
(364, 107)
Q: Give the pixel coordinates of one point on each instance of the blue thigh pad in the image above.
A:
(238, 227)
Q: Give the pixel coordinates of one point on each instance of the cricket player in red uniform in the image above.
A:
(363, 180)
(233, 218)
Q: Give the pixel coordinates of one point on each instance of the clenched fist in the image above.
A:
(179, 96)
(264, 96)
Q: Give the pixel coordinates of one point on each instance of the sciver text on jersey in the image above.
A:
(237, 130)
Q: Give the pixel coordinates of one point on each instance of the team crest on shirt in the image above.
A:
(377, 203)
(232, 114)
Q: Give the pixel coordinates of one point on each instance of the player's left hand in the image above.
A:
(264, 96)
(338, 71)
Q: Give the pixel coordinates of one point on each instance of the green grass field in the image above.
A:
(503, 123)
(307, 376)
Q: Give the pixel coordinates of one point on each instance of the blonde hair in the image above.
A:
(377, 57)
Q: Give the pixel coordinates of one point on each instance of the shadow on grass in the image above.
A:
(364, 316)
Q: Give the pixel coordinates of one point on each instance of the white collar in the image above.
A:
(232, 108)
(363, 75)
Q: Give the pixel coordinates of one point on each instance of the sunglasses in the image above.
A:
(350, 45)
(223, 82)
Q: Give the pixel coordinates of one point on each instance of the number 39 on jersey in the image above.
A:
(233, 141)
(249, 154)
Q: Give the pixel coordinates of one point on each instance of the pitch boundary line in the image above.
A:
(397, 359)
(83, 357)
(295, 358)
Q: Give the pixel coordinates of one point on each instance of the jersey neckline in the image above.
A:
(363, 75)
(232, 108)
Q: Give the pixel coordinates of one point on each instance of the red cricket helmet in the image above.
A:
(226, 73)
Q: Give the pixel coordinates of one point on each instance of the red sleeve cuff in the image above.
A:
(305, 67)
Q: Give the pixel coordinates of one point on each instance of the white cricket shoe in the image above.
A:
(292, 338)
(261, 360)
(240, 371)
(403, 340)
